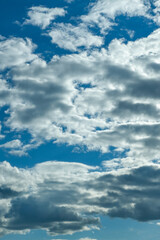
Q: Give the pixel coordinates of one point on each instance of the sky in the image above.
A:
(79, 119)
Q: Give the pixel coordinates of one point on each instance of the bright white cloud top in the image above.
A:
(99, 90)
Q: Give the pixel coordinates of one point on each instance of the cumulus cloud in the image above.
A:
(102, 98)
(37, 203)
(15, 51)
(99, 99)
(43, 16)
(72, 37)
(44, 197)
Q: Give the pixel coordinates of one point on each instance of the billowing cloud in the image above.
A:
(99, 99)
(46, 198)
(37, 203)
(98, 95)
(43, 16)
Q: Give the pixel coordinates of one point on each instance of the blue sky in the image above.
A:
(79, 119)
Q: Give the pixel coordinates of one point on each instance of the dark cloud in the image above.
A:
(134, 195)
(48, 98)
(67, 205)
(43, 212)
(145, 89)
(126, 108)
(33, 212)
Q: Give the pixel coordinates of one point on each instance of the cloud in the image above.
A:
(1, 136)
(156, 11)
(37, 204)
(72, 37)
(43, 16)
(12, 144)
(44, 197)
(15, 51)
(103, 13)
(102, 98)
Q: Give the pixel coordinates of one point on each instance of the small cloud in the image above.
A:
(12, 144)
(42, 16)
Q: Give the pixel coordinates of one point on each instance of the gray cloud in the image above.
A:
(7, 193)
(66, 204)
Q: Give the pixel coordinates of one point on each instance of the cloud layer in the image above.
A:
(63, 198)
(99, 99)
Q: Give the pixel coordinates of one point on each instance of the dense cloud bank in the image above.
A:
(63, 198)
(99, 99)
(91, 93)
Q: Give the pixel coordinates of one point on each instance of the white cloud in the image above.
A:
(43, 16)
(72, 37)
(15, 51)
(156, 11)
(12, 144)
(103, 12)
(98, 99)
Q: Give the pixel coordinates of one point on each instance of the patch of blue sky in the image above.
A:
(53, 152)
(124, 229)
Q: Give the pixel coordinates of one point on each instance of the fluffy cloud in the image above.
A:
(44, 197)
(72, 37)
(43, 16)
(99, 99)
(15, 51)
